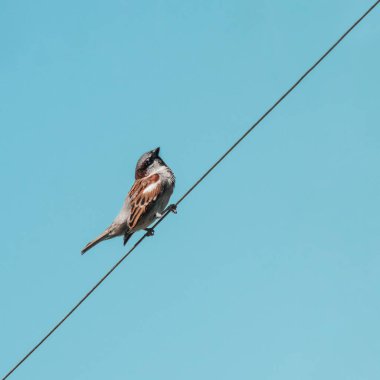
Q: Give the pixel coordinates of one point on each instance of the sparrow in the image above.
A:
(145, 202)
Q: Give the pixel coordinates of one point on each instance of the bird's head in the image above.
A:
(149, 163)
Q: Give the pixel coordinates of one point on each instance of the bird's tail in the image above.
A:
(104, 236)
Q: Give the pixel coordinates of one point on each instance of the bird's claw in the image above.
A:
(149, 231)
(173, 208)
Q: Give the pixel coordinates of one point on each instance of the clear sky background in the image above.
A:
(271, 269)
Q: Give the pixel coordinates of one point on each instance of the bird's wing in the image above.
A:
(141, 197)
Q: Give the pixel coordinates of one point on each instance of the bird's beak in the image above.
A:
(156, 151)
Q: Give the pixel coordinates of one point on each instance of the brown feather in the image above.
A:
(103, 236)
(141, 199)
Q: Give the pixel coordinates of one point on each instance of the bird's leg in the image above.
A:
(149, 231)
(172, 208)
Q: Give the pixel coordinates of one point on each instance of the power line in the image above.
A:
(280, 99)
(167, 212)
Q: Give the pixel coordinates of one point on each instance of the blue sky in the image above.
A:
(271, 268)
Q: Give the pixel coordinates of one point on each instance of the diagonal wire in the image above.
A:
(167, 212)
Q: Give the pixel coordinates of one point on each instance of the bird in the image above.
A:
(145, 202)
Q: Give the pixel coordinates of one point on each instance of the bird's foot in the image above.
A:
(149, 231)
(172, 208)
(158, 215)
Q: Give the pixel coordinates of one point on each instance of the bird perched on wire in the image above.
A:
(145, 202)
